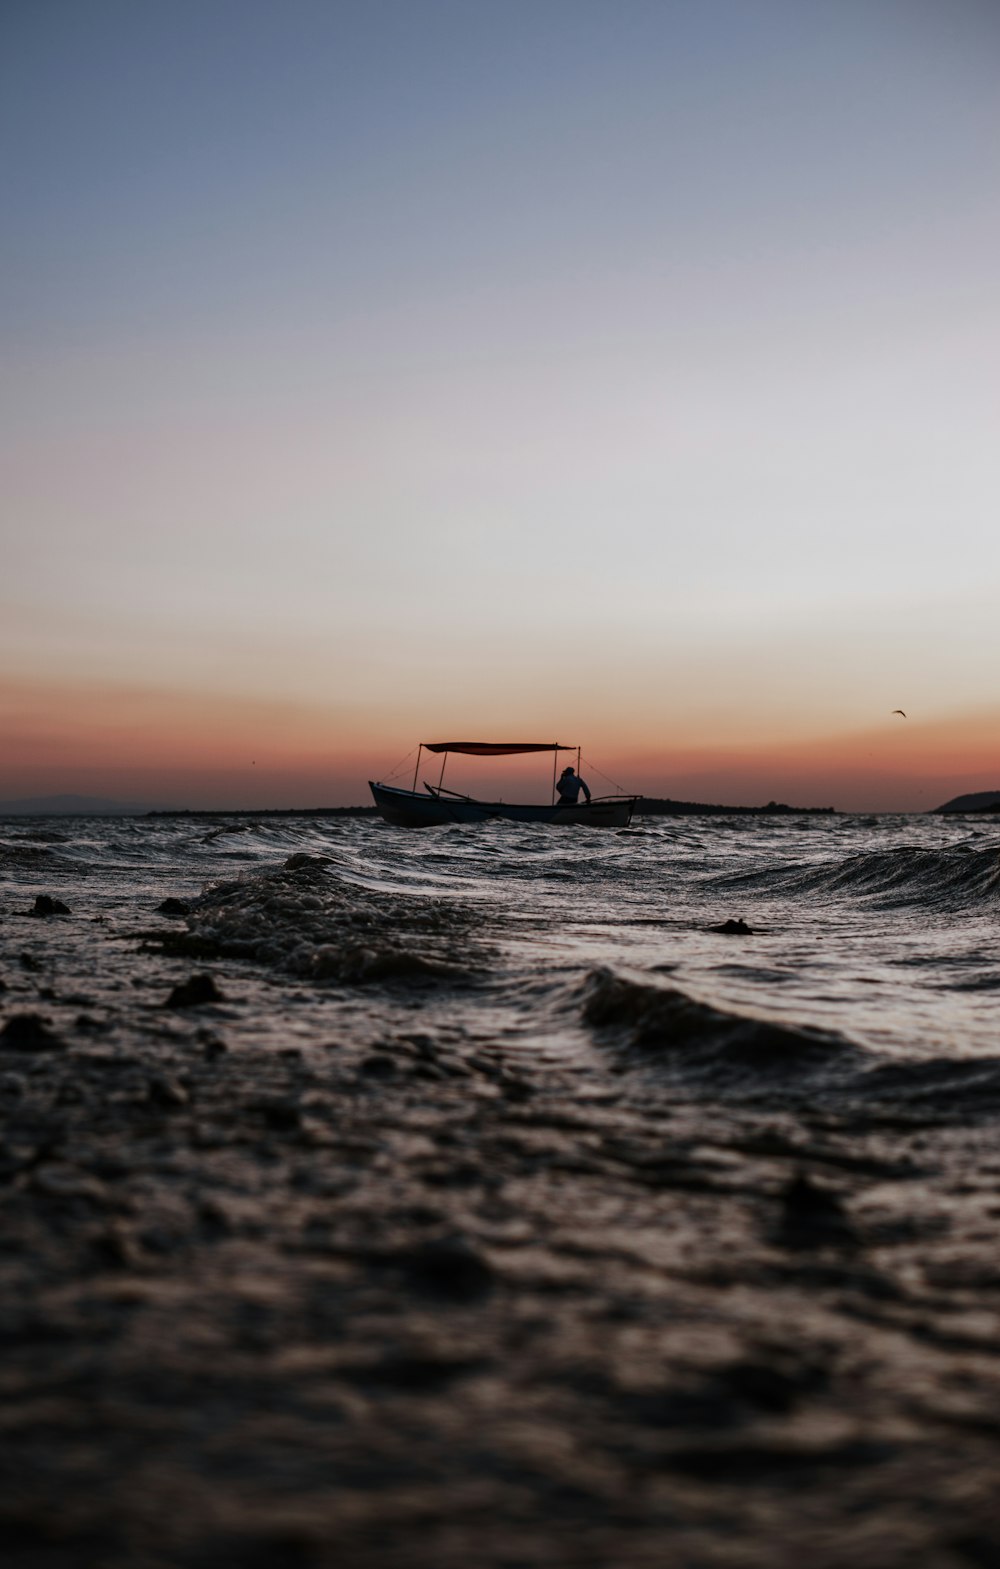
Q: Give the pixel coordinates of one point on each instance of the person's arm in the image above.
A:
(585, 790)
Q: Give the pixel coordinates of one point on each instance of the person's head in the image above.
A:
(566, 770)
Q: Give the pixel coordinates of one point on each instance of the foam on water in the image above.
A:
(305, 920)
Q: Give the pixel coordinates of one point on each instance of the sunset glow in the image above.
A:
(623, 373)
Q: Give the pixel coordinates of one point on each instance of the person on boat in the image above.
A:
(569, 786)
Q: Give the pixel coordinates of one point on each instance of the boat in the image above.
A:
(437, 806)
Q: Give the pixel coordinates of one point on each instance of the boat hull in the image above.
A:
(409, 809)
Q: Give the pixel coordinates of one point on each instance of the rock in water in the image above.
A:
(167, 1091)
(448, 1267)
(192, 993)
(173, 907)
(733, 929)
(378, 1065)
(29, 1032)
(813, 1217)
(46, 905)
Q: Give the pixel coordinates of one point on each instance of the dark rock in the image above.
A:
(378, 1066)
(813, 1217)
(775, 1385)
(173, 907)
(514, 1089)
(448, 1267)
(456, 1174)
(167, 1091)
(295, 861)
(214, 1217)
(280, 1114)
(426, 1045)
(733, 929)
(90, 1025)
(3, 985)
(29, 962)
(159, 1239)
(116, 1246)
(29, 1032)
(46, 905)
(194, 992)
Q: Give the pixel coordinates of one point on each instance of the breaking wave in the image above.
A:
(939, 1085)
(303, 920)
(18, 860)
(664, 1025)
(719, 1052)
(952, 877)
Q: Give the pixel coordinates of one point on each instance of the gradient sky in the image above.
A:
(622, 371)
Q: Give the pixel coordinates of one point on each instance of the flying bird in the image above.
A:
(900, 712)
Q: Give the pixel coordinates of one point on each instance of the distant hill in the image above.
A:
(650, 806)
(70, 806)
(982, 801)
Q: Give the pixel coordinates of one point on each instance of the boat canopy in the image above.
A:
(494, 748)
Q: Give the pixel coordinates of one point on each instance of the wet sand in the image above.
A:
(405, 1302)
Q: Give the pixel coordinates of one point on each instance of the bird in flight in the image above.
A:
(900, 712)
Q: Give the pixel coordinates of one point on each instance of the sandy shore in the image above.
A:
(407, 1305)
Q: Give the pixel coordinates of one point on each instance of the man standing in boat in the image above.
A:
(569, 786)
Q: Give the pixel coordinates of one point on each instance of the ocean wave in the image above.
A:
(663, 1025)
(306, 921)
(950, 877)
(29, 862)
(939, 1085)
(715, 1050)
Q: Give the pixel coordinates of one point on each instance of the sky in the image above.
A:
(621, 372)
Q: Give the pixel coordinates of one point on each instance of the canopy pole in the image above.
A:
(416, 768)
(555, 765)
(578, 759)
(444, 759)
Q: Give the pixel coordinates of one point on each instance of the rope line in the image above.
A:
(593, 769)
(400, 765)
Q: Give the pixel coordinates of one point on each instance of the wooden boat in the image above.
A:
(437, 806)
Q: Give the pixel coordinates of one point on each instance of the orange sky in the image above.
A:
(185, 749)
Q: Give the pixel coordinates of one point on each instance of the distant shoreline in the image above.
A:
(646, 806)
(655, 806)
(263, 811)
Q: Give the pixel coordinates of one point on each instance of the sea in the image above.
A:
(857, 955)
(525, 1197)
